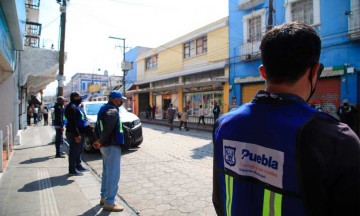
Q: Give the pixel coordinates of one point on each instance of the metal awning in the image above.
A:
(38, 68)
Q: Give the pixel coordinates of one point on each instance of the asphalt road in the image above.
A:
(169, 174)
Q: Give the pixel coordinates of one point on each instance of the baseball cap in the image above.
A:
(116, 94)
(75, 94)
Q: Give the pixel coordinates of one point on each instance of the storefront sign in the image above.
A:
(249, 79)
(203, 88)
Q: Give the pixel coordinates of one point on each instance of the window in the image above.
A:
(201, 47)
(254, 27)
(306, 11)
(254, 30)
(302, 11)
(151, 62)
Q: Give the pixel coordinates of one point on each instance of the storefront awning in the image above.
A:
(38, 68)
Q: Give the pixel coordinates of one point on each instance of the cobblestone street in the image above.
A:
(170, 174)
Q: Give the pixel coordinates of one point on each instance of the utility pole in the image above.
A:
(124, 65)
(270, 18)
(60, 78)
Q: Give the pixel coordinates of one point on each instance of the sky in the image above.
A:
(89, 23)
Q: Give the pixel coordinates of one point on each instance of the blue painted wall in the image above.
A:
(131, 56)
(337, 49)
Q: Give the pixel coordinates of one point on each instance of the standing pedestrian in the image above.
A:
(75, 133)
(278, 156)
(348, 114)
(183, 119)
(201, 115)
(148, 112)
(171, 111)
(59, 123)
(30, 113)
(153, 108)
(110, 137)
(36, 114)
(45, 112)
(216, 111)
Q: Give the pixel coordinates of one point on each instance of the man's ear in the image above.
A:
(314, 72)
(262, 71)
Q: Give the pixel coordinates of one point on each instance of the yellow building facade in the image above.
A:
(189, 71)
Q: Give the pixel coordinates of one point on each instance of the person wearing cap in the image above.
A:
(276, 155)
(110, 137)
(75, 133)
(347, 114)
(59, 122)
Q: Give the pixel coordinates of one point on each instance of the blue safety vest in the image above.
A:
(119, 132)
(64, 120)
(81, 122)
(255, 157)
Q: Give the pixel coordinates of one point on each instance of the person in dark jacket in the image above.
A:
(348, 114)
(59, 123)
(278, 156)
(75, 133)
(110, 137)
(216, 111)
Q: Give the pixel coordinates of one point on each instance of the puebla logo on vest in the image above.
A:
(260, 159)
(230, 158)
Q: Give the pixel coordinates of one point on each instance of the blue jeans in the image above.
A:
(75, 151)
(111, 173)
(58, 140)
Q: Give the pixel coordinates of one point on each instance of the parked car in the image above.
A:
(131, 125)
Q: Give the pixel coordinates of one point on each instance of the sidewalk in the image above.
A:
(35, 183)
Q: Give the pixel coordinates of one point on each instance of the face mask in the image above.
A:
(345, 104)
(77, 102)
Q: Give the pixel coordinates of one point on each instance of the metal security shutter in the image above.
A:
(327, 95)
(248, 91)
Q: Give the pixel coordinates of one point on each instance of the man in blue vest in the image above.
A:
(75, 133)
(278, 156)
(110, 137)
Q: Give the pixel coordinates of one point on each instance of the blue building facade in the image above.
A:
(337, 23)
(131, 56)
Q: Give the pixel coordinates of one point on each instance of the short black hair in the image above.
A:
(288, 50)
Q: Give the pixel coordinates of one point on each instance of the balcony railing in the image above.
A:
(33, 29)
(354, 23)
(34, 4)
(32, 41)
(250, 51)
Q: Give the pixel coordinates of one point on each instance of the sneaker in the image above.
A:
(76, 173)
(113, 208)
(102, 201)
(83, 169)
(59, 156)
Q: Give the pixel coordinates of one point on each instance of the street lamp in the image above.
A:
(125, 66)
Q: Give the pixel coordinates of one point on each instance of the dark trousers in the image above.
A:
(185, 124)
(29, 120)
(36, 118)
(59, 140)
(46, 117)
(201, 118)
(75, 151)
(216, 116)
